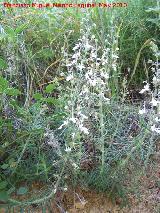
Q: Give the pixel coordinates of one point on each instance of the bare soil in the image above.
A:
(87, 201)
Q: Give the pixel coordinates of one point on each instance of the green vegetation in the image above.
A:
(65, 80)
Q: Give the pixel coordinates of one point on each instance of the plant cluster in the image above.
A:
(29, 145)
(64, 120)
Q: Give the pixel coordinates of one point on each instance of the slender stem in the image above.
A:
(102, 130)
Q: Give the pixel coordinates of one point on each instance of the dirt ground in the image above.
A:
(91, 202)
(87, 201)
(82, 201)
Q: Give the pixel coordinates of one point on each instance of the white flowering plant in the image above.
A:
(87, 87)
(154, 93)
(100, 135)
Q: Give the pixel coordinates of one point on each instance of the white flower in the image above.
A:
(90, 72)
(69, 77)
(100, 81)
(87, 76)
(73, 135)
(115, 56)
(83, 129)
(157, 54)
(85, 90)
(88, 47)
(156, 81)
(146, 88)
(106, 99)
(69, 65)
(158, 71)
(65, 189)
(80, 67)
(76, 55)
(86, 98)
(73, 120)
(129, 69)
(76, 47)
(68, 149)
(97, 65)
(64, 124)
(157, 119)
(83, 38)
(153, 69)
(142, 111)
(93, 82)
(61, 74)
(105, 75)
(90, 81)
(154, 102)
(74, 165)
(82, 115)
(154, 129)
(114, 67)
(93, 55)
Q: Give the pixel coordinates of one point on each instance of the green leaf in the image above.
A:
(3, 64)
(4, 166)
(12, 92)
(11, 190)
(3, 84)
(21, 28)
(155, 9)
(50, 100)
(3, 184)
(44, 53)
(10, 32)
(11, 161)
(50, 88)
(37, 96)
(22, 190)
(4, 196)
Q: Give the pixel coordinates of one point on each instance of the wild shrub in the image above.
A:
(29, 145)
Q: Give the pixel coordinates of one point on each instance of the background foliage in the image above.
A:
(34, 94)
